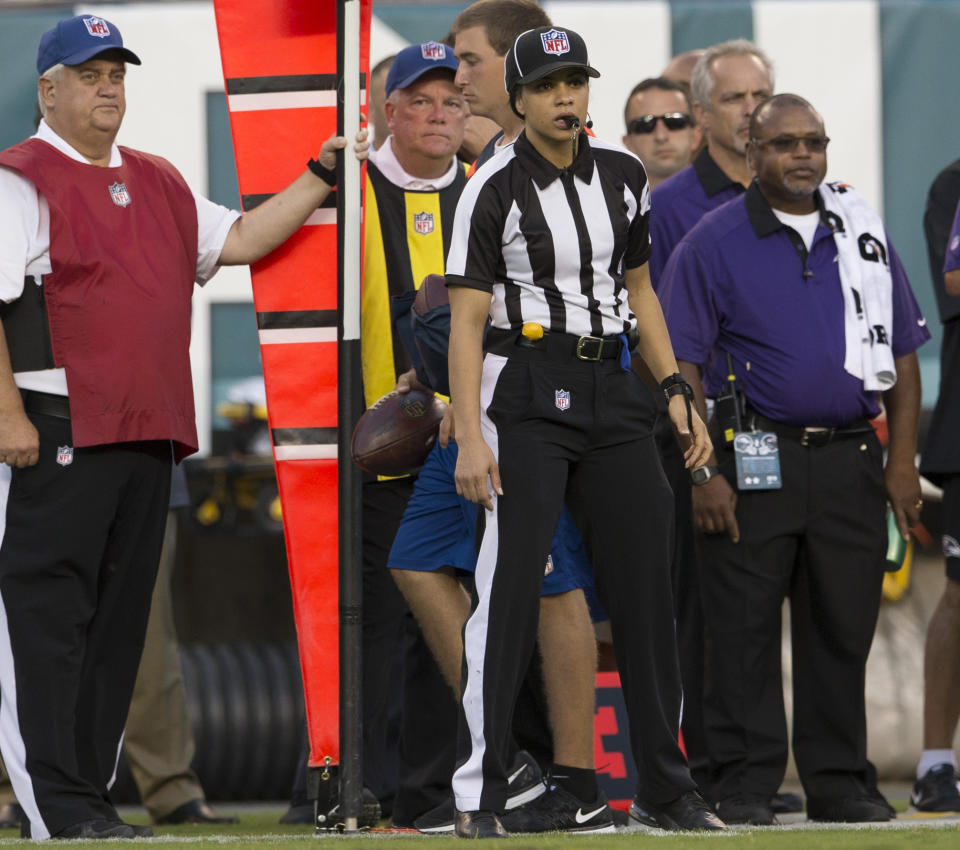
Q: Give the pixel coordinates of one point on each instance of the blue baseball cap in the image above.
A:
(416, 60)
(75, 40)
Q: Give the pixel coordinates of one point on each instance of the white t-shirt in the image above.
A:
(25, 241)
(805, 225)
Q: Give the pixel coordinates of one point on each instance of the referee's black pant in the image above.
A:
(819, 541)
(595, 447)
(80, 545)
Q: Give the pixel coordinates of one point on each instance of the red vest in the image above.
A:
(123, 248)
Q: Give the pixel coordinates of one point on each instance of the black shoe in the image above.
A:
(302, 813)
(937, 790)
(524, 780)
(786, 803)
(11, 815)
(557, 810)
(195, 811)
(97, 829)
(139, 831)
(688, 812)
(479, 825)
(862, 808)
(753, 809)
(439, 820)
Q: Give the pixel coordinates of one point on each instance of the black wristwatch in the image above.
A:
(676, 384)
(702, 474)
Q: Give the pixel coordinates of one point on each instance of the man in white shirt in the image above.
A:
(100, 248)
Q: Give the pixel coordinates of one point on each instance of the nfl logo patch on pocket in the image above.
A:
(562, 399)
(64, 455)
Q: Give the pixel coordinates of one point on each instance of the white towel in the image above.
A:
(866, 283)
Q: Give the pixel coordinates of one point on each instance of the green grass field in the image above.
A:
(259, 830)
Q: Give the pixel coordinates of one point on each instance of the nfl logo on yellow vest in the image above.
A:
(423, 222)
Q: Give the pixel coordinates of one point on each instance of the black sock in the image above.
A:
(579, 781)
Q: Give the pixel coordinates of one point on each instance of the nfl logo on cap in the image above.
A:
(119, 194)
(423, 223)
(97, 27)
(433, 50)
(555, 41)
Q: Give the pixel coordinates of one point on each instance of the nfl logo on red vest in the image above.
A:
(119, 194)
(555, 42)
(97, 27)
(433, 50)
(562, 399)
(423, 222)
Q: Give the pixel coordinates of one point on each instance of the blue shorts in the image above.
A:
(438, 529)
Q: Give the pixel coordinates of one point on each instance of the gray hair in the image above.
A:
(702, 81)
(54, 72)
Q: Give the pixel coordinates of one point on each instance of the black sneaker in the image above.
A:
(438, 820)
(786, 803)
(479, 825)
(524, 780)
(557, 810)
(752, 809)
(860, 808)
(688, 812)
(937, 790)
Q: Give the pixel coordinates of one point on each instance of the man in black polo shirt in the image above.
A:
(795, 290)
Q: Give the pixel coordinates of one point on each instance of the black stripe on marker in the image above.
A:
(286, 319)
(251, 201)
(304, 436)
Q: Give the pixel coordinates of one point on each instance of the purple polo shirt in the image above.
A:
(743, 283)
(951, 259)
(680, 202)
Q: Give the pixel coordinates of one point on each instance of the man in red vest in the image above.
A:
(100, 248)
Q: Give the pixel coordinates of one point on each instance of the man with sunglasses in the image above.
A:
(660, 127)
(795, 290)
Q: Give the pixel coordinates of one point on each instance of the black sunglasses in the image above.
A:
(644, 124)
(789, 144)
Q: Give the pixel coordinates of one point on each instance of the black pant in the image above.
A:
(78, 558)
(819, 541)
(595, 446)
(688, 610)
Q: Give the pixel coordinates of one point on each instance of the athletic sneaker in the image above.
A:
(557, 810)
(937, 790)
(688, 812)
(524, 783)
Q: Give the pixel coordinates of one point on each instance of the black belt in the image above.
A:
(505, 342)
(46, 404)
(811, 436)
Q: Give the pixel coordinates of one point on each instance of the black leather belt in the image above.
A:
(46, 404)
(505, 342)
(811, 436)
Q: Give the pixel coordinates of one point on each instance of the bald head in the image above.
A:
(680, 68)
(772, 106)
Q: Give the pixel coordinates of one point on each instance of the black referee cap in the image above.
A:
(537, 53)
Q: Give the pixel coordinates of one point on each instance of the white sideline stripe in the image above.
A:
(14, 749)
(315, 451)
(280, 336)
(285, 100)
(468, 778)
(324, 215)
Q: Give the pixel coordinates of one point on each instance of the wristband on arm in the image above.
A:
(676, 384)
(325, 174)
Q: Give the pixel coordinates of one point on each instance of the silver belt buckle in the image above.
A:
(814, 435)
(588, 340)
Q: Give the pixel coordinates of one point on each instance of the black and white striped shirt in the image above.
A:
(550, 244)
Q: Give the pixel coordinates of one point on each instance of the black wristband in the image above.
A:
(325, 174)
(675, 384)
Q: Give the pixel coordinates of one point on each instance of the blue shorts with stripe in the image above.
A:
(438, 529)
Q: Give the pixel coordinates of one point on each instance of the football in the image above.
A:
(395, 434)
(432, 293)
